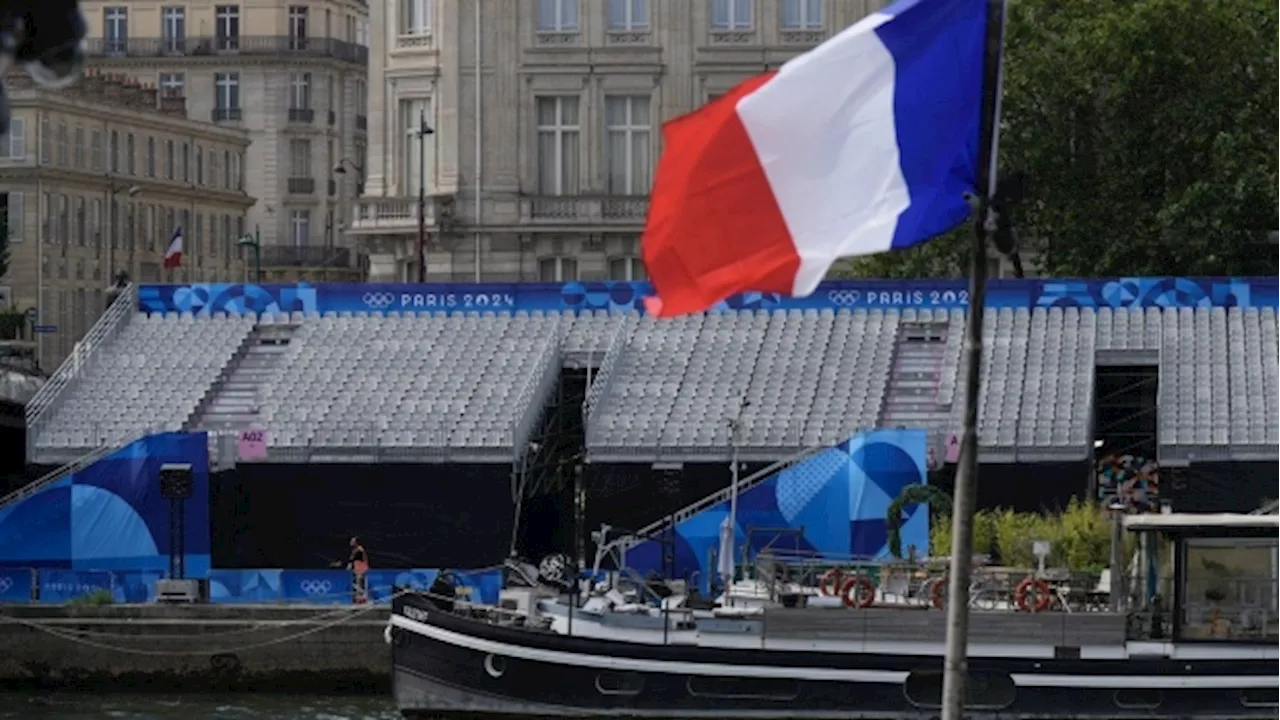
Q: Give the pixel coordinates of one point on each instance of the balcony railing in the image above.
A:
(227, 114)
(302, 115)
(302, 185)
(584, 210)
(390, 214)
(203, 46)
(306, 256)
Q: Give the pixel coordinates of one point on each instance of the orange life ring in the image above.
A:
(858, 591)
(938, 593)
(830, 582)
(1043, 597)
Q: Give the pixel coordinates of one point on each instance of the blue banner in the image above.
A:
(1170, 292)
(60, 586)
(316, 587)
(244, 586)
(15, 585)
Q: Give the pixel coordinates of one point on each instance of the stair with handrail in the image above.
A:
(107, 327)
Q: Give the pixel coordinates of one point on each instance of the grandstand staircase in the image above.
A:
(232, 402)
(911, 398)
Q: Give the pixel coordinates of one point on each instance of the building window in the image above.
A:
(557, 15)
(226, 96)
(558, 139)
(412, 114)
(64, 144)
(299, 227)
(173, 85)
(226, 20)
(299, 158)
(46, 141)
(13, 145)
(95, 150)
(300, 91)
(226, 169)
(15, 208)
(130, 155)
(151, 157)
(627, 126)
(199, 165)
(297, 27)
(801, 14)
(628, 15)
(415, 17)
(186, 162)
(169, 161)
(115, 151)
(115, 29)
(557, 269)
(81, 231)
(80, 149)
(731, 14)
(173, 29)
(626, 268)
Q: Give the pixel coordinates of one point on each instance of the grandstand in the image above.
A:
(414, 374)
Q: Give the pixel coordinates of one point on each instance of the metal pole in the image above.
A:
(1116, 593)
(257, 254)
(479, 141)
(422, 195)
(955, 664)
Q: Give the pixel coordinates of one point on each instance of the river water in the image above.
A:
(90, 706)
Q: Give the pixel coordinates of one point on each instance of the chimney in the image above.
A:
(149, 94)
(173, 105)
(92, 83)
(113, 88)
(131, 91)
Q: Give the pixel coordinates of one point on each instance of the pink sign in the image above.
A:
(253, 445)
(953, 448)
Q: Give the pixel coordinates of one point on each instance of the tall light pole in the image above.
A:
(112, 191)
(423, 131)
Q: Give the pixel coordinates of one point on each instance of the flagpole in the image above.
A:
(955, 666)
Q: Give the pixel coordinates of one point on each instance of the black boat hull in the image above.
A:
(452, 666)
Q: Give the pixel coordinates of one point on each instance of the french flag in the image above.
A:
(866, 144)
(173, 254)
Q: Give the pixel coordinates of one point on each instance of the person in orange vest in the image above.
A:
(358, 564)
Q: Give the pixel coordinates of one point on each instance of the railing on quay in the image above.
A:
(216, 46)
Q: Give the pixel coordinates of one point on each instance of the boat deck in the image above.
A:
(916, 625)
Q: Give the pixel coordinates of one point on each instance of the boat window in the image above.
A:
(1230, 590)
(1138, 698)
(755, 688)
(619, 683)
(984, 689)
(1259, 697)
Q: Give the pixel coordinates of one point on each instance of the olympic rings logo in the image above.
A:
(316, 587)
(844, 297)
(379, 300)
(5, 584)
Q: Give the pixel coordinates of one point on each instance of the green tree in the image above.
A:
(1148, 131)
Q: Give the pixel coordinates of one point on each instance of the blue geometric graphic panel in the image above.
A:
(1164, 292)
(110, 516)
(835, 502)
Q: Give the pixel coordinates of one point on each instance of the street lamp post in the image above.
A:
(423, 131)
(113, 238)
(254, 242)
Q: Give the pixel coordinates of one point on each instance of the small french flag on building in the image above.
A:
(173, 255)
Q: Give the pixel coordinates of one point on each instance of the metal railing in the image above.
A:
(617, 346)
(305, 256)
(535, 390)
(213, 45)
(39, 483)
(105, 329)
(721, 496)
